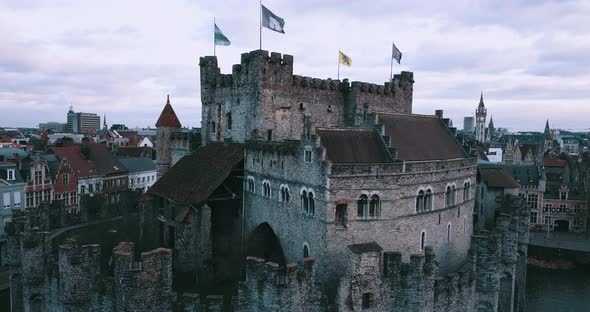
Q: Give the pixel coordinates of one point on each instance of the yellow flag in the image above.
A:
(344, 59)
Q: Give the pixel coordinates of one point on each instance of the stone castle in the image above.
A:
(305, 195)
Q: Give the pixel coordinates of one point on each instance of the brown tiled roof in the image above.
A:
(497, 177)
(168, 117)
(365, 247)
(100, 160)
(196, 176)
(554, 162)
(420, 137)
(345, 145)
(83, 167)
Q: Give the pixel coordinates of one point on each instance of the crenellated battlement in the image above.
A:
(79, 271)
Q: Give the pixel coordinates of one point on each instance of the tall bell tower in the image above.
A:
(480, 121)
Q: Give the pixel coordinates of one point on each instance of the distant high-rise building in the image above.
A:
(468, 124)
(82, 122)
(53, 126)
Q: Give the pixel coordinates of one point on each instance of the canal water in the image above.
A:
(558, 290)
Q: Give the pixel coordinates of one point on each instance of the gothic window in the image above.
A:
(362, 206)
(375, 206)
(305, 251)
(250, 184)
(285, 194)
(453, 195)
(266, 191)
(213, 129)
(422, 240)
(428, 200)
(340, 218)
(448, 232)
(466, 187)
(229, 120)
(304, 202)
(311, 205)
(420, 201)
(533, 201)
(448, 197)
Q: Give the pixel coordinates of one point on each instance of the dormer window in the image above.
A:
(10, 175)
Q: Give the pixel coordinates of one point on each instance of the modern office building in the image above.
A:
(82, 122)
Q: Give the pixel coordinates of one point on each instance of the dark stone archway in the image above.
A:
(264, 244)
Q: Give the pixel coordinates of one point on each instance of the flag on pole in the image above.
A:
(396, 54)
(220, 38)
(344, 59)
(272, 21)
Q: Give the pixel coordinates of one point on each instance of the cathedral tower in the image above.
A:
(480, 120)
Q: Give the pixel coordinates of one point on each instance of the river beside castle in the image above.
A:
(558, 290)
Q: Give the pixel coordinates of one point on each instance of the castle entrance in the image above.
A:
(264, 244)
(562, 226)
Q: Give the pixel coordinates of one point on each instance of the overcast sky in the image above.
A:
(121, 57)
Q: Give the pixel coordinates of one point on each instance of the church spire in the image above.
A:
(104, 121)
(547, 131)
(481, 100)
(491, 121)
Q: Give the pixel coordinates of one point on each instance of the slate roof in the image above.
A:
(497, 177)
(133, 151)
(196, 176)
(346, 145)
(138, 164)
(365, 247)
(12, 153)
(4, 167)
(420, 137)
(525, 175)
(168, 117)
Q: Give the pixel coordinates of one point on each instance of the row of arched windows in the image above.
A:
(424, 198)
(307, 195)
(308, 202)
(368, 209)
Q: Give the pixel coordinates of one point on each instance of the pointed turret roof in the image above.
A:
(547, 131)
(481, 100)
(491, 122)
(168, 116)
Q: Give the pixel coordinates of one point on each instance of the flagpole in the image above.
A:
(214, 36)
(391, 69)
(260, 25)
(338, 64)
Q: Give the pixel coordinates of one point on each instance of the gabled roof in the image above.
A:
(420, 137)
(348, 145)
(168, 117)
(82, 167)
(497, 177)
(525, 175)
(196, 176)
(100, 160)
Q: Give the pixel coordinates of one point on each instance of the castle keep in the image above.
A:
(306, 194)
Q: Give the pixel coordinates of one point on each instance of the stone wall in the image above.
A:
(262, 94)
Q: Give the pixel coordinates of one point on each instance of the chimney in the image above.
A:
(439, 113)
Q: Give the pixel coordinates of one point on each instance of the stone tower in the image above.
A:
(548, 137)
(480, 120)
(166, 125)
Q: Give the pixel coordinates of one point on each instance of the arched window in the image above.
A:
(448, 197)
(375, 206)
(448, 232)
(285, 193)
(420, 201)
(362, 206)
(453, 195)
(428, 199)
(266, 190)
(250, 184)
(311, 199)
(305, 251)
(422, 240)
(229, 120)
(304, 203)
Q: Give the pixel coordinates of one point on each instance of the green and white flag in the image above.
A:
(272, 21)
(220, 38)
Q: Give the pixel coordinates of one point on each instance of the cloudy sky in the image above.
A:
(121, 57)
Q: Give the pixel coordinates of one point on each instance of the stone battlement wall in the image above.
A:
(282, 289)
(79, 271)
